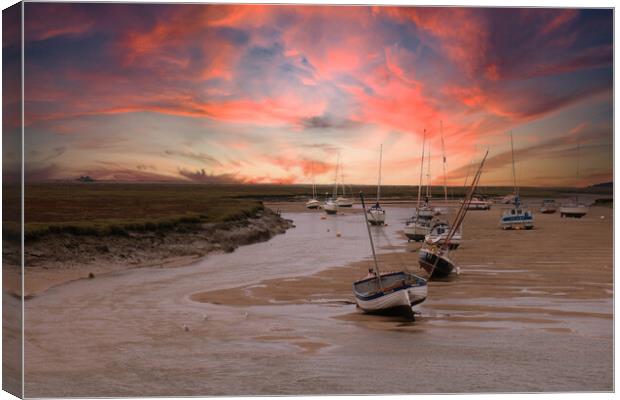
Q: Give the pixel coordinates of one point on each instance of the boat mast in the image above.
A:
(421, 172)
(428, 173)
(372, 245)
(514, 175)
(379, 180)
(578, 162)
(313, 185)
(336, 177)
(443, 154)
(342, 180)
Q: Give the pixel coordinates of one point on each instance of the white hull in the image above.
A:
(313, 204)
(417, 294)
(396, 299)
(376, 217)
(573, 211)
(330, 207)
(416, 231)
(344, 202)
(479, 205)
(441, 239)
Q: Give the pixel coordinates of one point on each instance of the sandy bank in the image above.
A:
(565, 259)
(61, 258)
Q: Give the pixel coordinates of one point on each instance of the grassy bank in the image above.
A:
(104, 209)
(118, 208)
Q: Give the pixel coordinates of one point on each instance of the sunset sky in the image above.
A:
(268, 94)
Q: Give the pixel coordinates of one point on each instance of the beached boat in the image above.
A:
(574, 210)
(331, 205)
(376, 214)
(435, 258)
(517, 217)
(313, 203)
(419, 225)
(439, 234)
(388, 292)
(343, 200)
(548, 206)
(478, 203)
(394, 293)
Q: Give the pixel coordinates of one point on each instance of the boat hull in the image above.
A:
(437, 266)
(548, 210)
(401, 291)
(416, 232)
(573, 212)
(313, 204)
(517, 224)
(376, 217)
(330, 207)
(343, 202)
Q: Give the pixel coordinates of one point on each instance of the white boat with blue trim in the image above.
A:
(517, 217)
(388, 292)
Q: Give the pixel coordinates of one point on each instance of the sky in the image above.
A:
(275, 94)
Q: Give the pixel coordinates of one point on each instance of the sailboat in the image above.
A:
(313, 203)
(435, 259)
(419, 225)
(376, 214)
(548, 206)
(443, 210)
(517, 217)
(343, 201)
(331, 206)
(575, 210)
(439, 235)
(388, 292)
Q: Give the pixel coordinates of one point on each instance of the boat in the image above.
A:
(574, 210)
(419, 225)
(331, 205)
(435, 258)
(343, 201)
(388, 292)
(313, 203)
(548, 206)
(478, 203)
(439, 234)
(376, 214)
(517, 217)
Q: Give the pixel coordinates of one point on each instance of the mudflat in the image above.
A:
(530, 311)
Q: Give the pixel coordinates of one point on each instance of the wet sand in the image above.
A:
(530, 311)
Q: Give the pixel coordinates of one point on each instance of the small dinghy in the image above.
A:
(439, 234)
(388, 292)
(548, 206)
